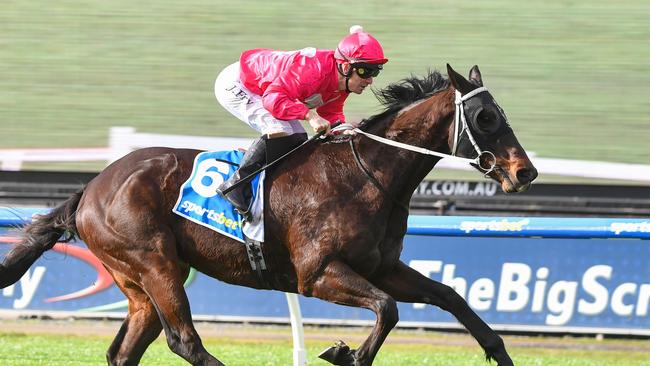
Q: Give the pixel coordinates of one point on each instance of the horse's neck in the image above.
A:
(424, 124)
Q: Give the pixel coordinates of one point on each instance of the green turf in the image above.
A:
(573, 77)
(30, 350)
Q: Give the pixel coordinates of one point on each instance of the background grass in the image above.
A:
(572, 76)
(18, 349)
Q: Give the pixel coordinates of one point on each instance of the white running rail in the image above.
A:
(123, 140)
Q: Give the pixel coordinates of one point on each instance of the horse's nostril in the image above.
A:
(526, 175)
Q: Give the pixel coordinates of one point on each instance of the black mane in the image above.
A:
(406, 91)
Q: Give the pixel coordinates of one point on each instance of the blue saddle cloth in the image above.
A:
(198, 200)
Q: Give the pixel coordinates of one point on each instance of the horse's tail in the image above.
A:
(40, 236)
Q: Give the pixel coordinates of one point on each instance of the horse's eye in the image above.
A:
(487, 121)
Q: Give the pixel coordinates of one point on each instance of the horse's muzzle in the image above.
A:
(520, 181)
(526, 175)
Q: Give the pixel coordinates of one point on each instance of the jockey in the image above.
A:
(272, 91)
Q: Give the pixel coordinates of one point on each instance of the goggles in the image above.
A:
(366, 71)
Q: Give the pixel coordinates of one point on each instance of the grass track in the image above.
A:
(248, 345)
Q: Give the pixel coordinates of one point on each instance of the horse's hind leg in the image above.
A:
(141, 326)
(407, 285)
(153, 266)
(340, 284)
(163, 282)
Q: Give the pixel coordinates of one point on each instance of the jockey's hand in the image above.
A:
(317, 122)
(344, 128)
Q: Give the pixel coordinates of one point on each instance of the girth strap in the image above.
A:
(256, 259)
(372, 178)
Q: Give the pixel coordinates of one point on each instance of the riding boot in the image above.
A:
(240, 197)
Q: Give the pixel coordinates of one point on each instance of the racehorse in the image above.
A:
(335, 218)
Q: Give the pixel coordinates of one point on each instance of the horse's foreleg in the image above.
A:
(407, 285)
(340, 284)
(141, 326)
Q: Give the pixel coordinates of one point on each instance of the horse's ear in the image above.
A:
(458, 81)
(475, 76)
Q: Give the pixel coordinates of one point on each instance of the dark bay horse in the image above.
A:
(332, 231)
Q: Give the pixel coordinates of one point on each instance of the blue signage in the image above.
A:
(508, 272)
(535, 281)
(547, 227)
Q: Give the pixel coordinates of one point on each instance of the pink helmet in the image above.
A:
(359, 46)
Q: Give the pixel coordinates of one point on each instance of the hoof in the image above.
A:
(507, 362)
(339, 354)
(501, 358)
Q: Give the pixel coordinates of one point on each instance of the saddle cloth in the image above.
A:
(199, 202)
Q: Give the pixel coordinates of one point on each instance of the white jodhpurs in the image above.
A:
(247, 106)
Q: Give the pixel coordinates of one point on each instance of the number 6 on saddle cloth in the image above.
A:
(199, 202)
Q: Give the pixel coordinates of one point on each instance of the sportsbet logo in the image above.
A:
(494, 225)
(219, 218)
(630, 227)
(520, 289)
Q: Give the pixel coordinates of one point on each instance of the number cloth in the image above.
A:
(199, 202)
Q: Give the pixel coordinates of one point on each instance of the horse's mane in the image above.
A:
(398, 95)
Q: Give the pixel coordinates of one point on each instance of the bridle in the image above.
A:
(460, 127)
(461, 121)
